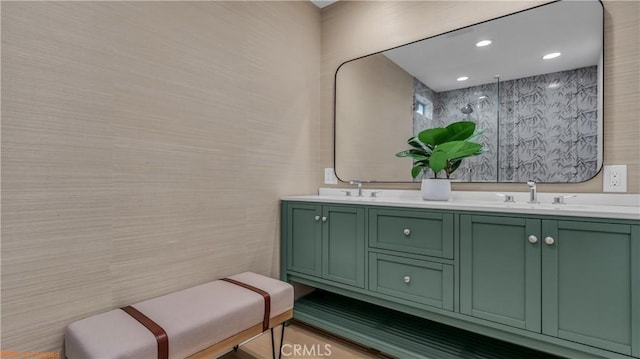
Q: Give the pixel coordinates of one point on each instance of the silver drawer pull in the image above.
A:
(324, 219)
(317, 218)
(406, 231)
(533, 239)
(549, 240)
(407, 279)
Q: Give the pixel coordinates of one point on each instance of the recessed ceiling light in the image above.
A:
(550, 56)
(463, 78)
(483, 43)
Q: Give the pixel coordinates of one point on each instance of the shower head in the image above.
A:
(467, 109)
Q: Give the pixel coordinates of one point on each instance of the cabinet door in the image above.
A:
(500, 270)
(304, 238)
(591, 284)
(343, 245)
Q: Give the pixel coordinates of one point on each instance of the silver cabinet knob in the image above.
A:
(549, 240)
(317, 218)
(324, 219)
(407, 279)
(533, 239)
(406, 231)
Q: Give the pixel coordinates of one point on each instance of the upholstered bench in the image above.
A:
(198, 322)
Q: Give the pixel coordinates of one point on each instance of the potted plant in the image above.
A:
(441, 149)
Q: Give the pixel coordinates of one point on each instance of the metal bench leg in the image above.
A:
(281, 340)
(273, 344)
(235, 348)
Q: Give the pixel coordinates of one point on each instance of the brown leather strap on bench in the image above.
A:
(265, 295)
(154, 328)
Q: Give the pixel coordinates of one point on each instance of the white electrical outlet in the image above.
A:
(615, 178)
(330, 176)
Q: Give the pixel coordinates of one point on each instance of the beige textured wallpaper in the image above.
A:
(376, 93)
(352, 29)
(145, 146)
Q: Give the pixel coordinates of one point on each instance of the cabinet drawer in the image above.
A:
(414, 280)
(419, 232)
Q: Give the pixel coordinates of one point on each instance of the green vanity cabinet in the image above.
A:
(500, 270)
(560, 284)
(326, 241)
(591, 283)
(572, 279)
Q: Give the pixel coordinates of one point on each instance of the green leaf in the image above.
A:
(438, 160)
(416, 170)
(476, 136)
(404, 153)
(454, 165)
(459, 149)
(456, 131)
(419, 157)
(450, 152)
(451, 148)
(420, 152)
(467, 149)
(417, 144)
(415, 154)
(434, 136)
(460, 130)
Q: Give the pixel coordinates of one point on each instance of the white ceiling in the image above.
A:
(573, 28)
(322, 3)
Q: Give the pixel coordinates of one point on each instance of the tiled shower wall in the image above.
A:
(549, 127)
(546, 126)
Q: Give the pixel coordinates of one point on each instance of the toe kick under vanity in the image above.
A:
(423, 279)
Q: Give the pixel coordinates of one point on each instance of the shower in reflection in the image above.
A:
(468, 109)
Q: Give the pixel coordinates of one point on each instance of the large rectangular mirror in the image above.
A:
(541, 113)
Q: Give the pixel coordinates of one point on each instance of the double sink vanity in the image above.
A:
(560, 278)
(483, 275)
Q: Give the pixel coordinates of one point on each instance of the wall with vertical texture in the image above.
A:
(145, 146)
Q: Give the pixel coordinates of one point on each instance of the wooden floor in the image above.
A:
(318, 345)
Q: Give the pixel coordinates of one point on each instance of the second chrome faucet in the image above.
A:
(359, 183)
(533, 192)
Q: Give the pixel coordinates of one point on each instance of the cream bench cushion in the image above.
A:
(194, 319)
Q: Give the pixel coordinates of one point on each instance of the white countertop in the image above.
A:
(597, 205)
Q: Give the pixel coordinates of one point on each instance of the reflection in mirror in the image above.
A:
(542, 119)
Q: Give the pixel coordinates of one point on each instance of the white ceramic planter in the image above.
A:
(436, 189)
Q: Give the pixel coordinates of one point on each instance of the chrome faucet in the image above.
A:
(533, 193)
(359, 184)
